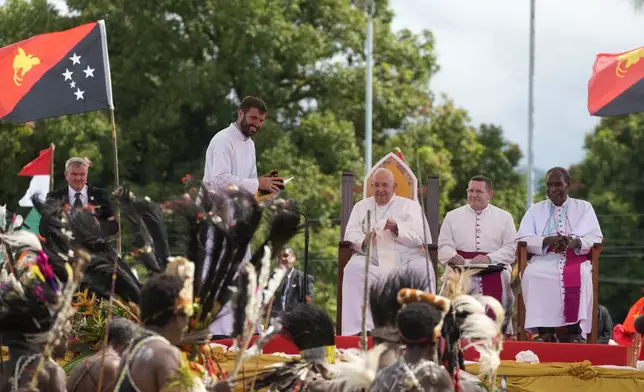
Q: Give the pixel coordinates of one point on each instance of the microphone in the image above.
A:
(306, 257)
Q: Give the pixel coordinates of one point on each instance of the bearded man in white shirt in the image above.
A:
(557, 282)
(397, 242)
(481, 233)
(230, 160)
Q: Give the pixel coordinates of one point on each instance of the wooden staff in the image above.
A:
(365, 302)
(422, 206)
(116, 258)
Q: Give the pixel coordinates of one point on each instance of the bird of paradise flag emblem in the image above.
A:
(22, 64)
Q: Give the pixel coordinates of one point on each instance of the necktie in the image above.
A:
(78, 203)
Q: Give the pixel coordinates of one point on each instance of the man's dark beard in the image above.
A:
(245, 128)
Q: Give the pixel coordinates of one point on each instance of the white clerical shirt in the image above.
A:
(230, 160)
(490, 231)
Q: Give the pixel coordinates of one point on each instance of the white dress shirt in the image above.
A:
(72, 195)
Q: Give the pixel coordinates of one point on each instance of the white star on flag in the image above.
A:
(79, 94)
(72, 84)
(75, 59)
(89, 72)
(67, 74)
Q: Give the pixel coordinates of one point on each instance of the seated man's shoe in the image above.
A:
(547, 338)
(575, 338)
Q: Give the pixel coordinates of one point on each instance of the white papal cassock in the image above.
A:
(405, 251)
(230, 160)
(490, 232)
(557, 288)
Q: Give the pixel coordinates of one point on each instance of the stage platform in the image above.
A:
(597, 354)
(562, 367)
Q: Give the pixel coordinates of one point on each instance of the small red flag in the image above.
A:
(40, 166)
(55, 74)
(399, 154)
(616, 86)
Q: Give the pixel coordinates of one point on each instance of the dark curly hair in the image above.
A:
(416, 322)
(159, 298)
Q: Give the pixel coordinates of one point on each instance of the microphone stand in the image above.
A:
(306, 257)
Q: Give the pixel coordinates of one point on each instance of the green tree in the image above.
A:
(180, 68)
(609, 178)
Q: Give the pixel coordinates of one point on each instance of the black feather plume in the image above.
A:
(284, 225)
(309, 326)
(234, 226)
(149, 232)
(383, 295)
(240, 299)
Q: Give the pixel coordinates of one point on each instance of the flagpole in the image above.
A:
(370, 9)
(51, 175)
(118, 248)
(530, 199)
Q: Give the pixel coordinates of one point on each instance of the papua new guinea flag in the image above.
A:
(617, 84)
(55, 74)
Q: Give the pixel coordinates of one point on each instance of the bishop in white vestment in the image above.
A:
(557, 283)
(481, 233)
(398, 243)
(230, 160)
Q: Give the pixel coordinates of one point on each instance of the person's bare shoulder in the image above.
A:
(56, 378)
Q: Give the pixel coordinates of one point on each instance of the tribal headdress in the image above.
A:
(468, 322)
(311, 329)
(36, 298)
(359, 369)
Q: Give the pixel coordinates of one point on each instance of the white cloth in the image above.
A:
(408, 246)
(230, 160)
(39, 185)
(71, 193)
(542, 281)
(490, 231)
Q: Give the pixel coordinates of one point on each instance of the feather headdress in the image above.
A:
(311, 329)
(36, 303)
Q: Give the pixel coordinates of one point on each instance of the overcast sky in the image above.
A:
(483, 51)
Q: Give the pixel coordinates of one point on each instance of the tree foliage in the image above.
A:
(179, 68)
(610, 178)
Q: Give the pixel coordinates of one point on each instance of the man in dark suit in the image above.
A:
(292, 291)
(79, 194)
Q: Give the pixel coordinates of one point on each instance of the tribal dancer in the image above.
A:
(468, 322)
(85, 375)
(419, 324)
(312, 331)
(35, 303)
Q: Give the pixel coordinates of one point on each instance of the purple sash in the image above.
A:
(572, 285)
(492, 284)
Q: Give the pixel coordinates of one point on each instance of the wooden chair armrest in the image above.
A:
(345, 244)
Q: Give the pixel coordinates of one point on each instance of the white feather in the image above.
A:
(359, 369)
(484, 336)
(3, 217)
(493, 304)
(251, 307)
(22, 239)
(274, 283)
(468, 304)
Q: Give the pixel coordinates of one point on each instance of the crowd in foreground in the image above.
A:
(56, 296)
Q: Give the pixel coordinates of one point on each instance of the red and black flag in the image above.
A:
(55, 74)
(617, 84)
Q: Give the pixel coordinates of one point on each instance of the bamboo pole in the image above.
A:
(118, 249)
(51, 175)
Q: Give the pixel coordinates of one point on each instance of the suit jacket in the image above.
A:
(97, 197)
(294, 292)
